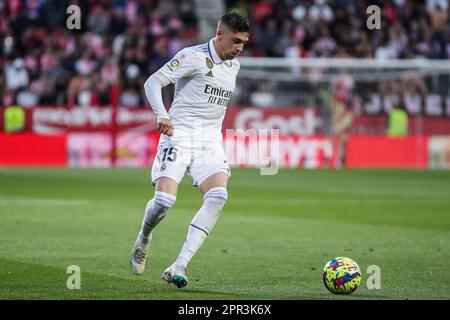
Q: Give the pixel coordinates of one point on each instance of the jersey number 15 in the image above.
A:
(169, 153)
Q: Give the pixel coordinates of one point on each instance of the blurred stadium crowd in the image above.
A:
(122, 42)
(320, 28)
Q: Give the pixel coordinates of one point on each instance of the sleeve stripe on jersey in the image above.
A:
(202, 48)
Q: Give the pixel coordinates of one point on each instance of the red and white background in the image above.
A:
(86, 137)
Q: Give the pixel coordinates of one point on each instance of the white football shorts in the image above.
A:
(201, 159)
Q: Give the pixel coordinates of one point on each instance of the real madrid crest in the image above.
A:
(163, 166)
(209, 63)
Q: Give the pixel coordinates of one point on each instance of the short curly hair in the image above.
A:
(235, 22)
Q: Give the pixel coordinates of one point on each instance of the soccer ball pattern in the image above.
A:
(341, 275)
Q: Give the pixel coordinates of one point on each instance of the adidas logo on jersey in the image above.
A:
(209, 74)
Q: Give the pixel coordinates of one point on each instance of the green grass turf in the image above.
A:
(271, 242)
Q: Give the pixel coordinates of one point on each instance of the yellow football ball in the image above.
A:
(341, 275)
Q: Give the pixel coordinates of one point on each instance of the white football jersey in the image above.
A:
(204, 85)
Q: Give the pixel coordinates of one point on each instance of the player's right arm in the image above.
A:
(153, 87)
(182, 65)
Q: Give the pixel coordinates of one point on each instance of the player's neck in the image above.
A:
(216, 47)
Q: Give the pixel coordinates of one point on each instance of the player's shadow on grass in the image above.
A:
(190, 289)
(193, 291)
(355, 296)
(25, 280)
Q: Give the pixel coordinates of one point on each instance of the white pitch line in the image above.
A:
(315, 202)
(44, 202)
(300, 202)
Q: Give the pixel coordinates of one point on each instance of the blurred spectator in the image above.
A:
(320, 11)
(339, 107)
(438, 14)
(16, 75)
(27, 98)
(384, 50)
(110, 72)
(130, 98)
(261, 10)
(299, 12)
(325, 45)
(98, 20)
(414, 92)
(391, 95)
(86, 64)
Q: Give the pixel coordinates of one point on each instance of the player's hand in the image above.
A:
(165, 126)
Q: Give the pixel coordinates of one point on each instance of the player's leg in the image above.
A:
(214, 198)
(156, 209)
(166, 175)
(210, 172)
(212, 179)
(164, 198)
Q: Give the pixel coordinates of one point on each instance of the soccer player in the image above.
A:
(191, 138)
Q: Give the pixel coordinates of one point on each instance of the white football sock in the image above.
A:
(202, 224)
(155, 211)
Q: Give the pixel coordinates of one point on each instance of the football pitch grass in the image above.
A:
(272, 240)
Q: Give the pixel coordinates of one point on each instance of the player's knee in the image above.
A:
(164, 200)
(217, 196)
